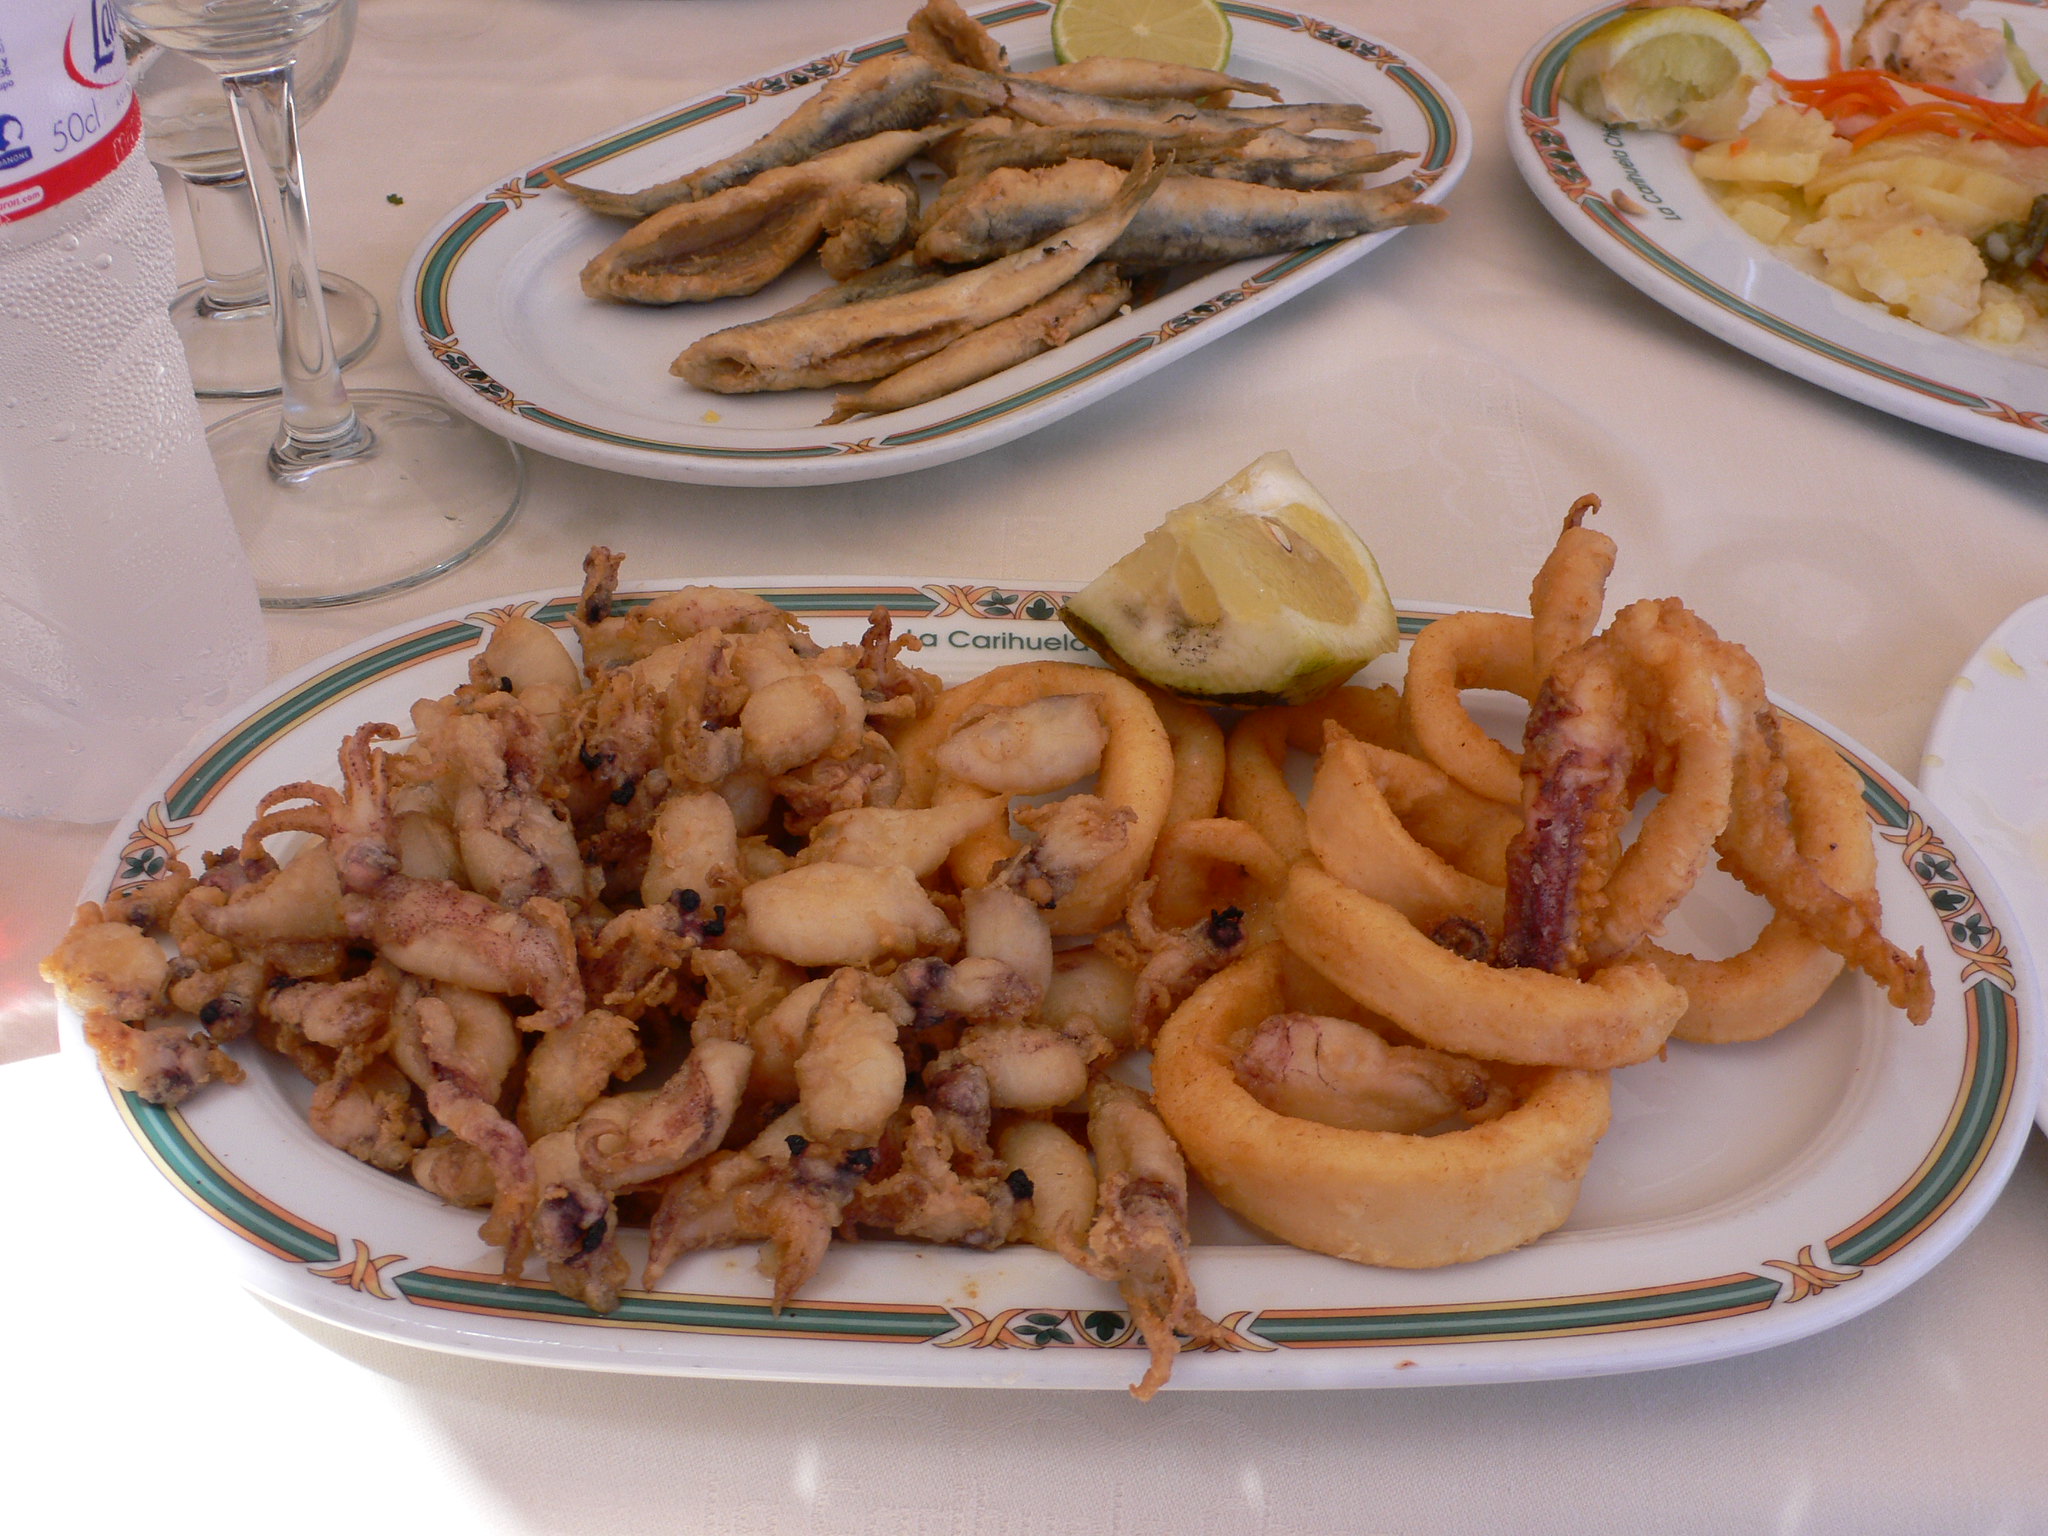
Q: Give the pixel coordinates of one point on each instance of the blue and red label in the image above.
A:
(68, 115)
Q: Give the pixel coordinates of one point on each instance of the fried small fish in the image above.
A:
(894, 91)
(1271, 156)
(741, 239)
(1052, 105)
(900, 274)
(857, 342)
(1189, 219)
(1081, 305)
(1143, 80)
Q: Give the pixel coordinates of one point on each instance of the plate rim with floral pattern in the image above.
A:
(464, 336)
(1631, 200)
(309, 1227)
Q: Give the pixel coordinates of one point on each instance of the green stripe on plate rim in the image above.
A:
(1603, 1313)
(913, 1325)
(1979, 1113)
(436, 272)
(1540, 99)
(430, 294)
(166, 1134)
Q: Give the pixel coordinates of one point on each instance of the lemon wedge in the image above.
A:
(1678, 68)
(1259, 593)
(1194, 32)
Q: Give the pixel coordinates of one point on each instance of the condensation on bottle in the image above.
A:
(128, 615)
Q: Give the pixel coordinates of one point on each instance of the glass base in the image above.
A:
(433, 490)
(233, 352)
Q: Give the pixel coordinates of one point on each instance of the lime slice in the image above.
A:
(1677, 67)
(1256, 594)
(1194, 32)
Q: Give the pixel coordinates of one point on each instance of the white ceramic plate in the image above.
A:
(501, 329)
(1746, 1195)
(1987, 764)
(1632, 200)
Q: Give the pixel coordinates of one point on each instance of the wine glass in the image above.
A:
(337, 498)
(224, 318)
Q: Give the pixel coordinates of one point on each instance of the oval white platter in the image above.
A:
(1987, 762)
(1631, 199)
(500, 327)
(1746, 1195)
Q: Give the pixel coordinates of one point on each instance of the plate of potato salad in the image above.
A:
(1860, 200)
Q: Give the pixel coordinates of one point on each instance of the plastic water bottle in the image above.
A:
(128, 614)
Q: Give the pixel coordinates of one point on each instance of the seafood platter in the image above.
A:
(853, 980)
(1000, 241)
(1849, 297)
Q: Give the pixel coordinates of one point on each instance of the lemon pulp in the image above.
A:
(1259, 593)
(1678, 67)
(1194, 32)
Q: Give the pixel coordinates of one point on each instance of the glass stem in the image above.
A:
(319, 426)
(230, 243)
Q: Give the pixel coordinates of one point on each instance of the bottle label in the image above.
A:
(68, 115)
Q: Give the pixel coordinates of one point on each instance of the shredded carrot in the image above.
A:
(1844, 94)
(1739, 147)
(1692, 142)
(1834, 40)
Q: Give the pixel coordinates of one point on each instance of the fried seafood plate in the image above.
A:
(1057, 194)
(1416, 1073)
(703, 927)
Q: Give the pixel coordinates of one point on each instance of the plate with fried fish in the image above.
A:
(998, 242)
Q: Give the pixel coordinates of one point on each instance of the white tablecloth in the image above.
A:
(1452, 393)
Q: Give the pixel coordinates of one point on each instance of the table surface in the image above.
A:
(1452, 393)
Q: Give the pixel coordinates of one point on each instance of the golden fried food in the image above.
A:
(1356, 835)
(1136, 774)
(1255, 788)
(1456, 652)
(1374, 1197)
(1385, 964)
(1780, 976)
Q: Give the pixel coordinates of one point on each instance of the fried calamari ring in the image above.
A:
(1570, 589)
(1456, 652)
(1374, 1197)
(1657, 698)
(1783, 974)
(1136, 772)
(1206, 866)
(1356, 835)
(1620, 1015)
(1255, 788)
(1198, 758)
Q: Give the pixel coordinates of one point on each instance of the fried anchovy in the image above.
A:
(1143, 79)
(1189, 219)
(1051, 105)
(894, 91)
(902, 275)
(741, 239)
(1079, 306)
(865, 341)
(1271, 156)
